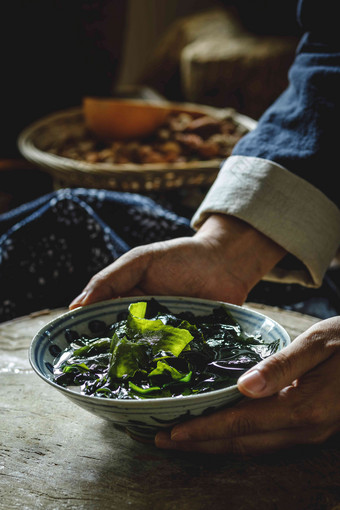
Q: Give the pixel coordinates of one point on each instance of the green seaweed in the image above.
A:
(154, 353)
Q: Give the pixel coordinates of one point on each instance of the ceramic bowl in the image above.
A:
(123, 119)
(142, 418)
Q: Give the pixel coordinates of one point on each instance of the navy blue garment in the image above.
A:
(300, 130)
(50, 247)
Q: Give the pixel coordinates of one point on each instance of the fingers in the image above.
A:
(246, 445)
(279, 370)
(248, 418)
(118, 279)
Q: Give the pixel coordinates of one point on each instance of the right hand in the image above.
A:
(294, 398)
(222, 261)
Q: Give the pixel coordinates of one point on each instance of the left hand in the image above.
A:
(222, 261)
(295, 399)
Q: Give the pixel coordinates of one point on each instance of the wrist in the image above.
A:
(247, 253)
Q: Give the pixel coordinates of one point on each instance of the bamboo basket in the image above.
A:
(67, 172)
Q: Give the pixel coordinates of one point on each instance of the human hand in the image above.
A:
(222, 261)
(295, 399)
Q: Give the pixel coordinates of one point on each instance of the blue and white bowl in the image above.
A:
(142, 418)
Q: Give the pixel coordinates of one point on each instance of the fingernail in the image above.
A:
(253, 382)
(179, 435)
(79, 299)
(162, 440)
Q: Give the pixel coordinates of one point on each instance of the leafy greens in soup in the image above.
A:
(153, 353)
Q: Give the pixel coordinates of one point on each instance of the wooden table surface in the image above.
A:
(54, 455)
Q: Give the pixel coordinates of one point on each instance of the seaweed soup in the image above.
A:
(152, 353)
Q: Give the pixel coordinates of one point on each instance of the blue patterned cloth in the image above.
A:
(50, 247)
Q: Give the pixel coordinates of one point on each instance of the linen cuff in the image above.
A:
(284, 207)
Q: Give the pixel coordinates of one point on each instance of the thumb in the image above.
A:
(119, 278)
(283, 368)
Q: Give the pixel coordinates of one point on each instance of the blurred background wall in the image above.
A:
(220, 52)
(55, 51)
(226, 53)
(147, 22)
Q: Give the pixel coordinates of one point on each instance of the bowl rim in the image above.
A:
(154, 402)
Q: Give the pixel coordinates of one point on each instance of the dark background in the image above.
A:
(55, 52)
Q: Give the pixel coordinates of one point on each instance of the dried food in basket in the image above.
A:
(183, 137)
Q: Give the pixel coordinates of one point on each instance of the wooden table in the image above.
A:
(54, 455)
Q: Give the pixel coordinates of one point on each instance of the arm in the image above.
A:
(282, 177)
(298, 132)
(282, 206)
(285, 208)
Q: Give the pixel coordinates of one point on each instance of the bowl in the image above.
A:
(123, 119)
(143, 418)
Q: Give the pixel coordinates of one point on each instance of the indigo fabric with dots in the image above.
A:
(50, 247)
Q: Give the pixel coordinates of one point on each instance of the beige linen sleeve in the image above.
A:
(283, 206)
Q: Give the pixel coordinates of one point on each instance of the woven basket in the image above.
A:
(67, 172)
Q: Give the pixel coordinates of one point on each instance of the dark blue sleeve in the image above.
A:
(301, 129)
